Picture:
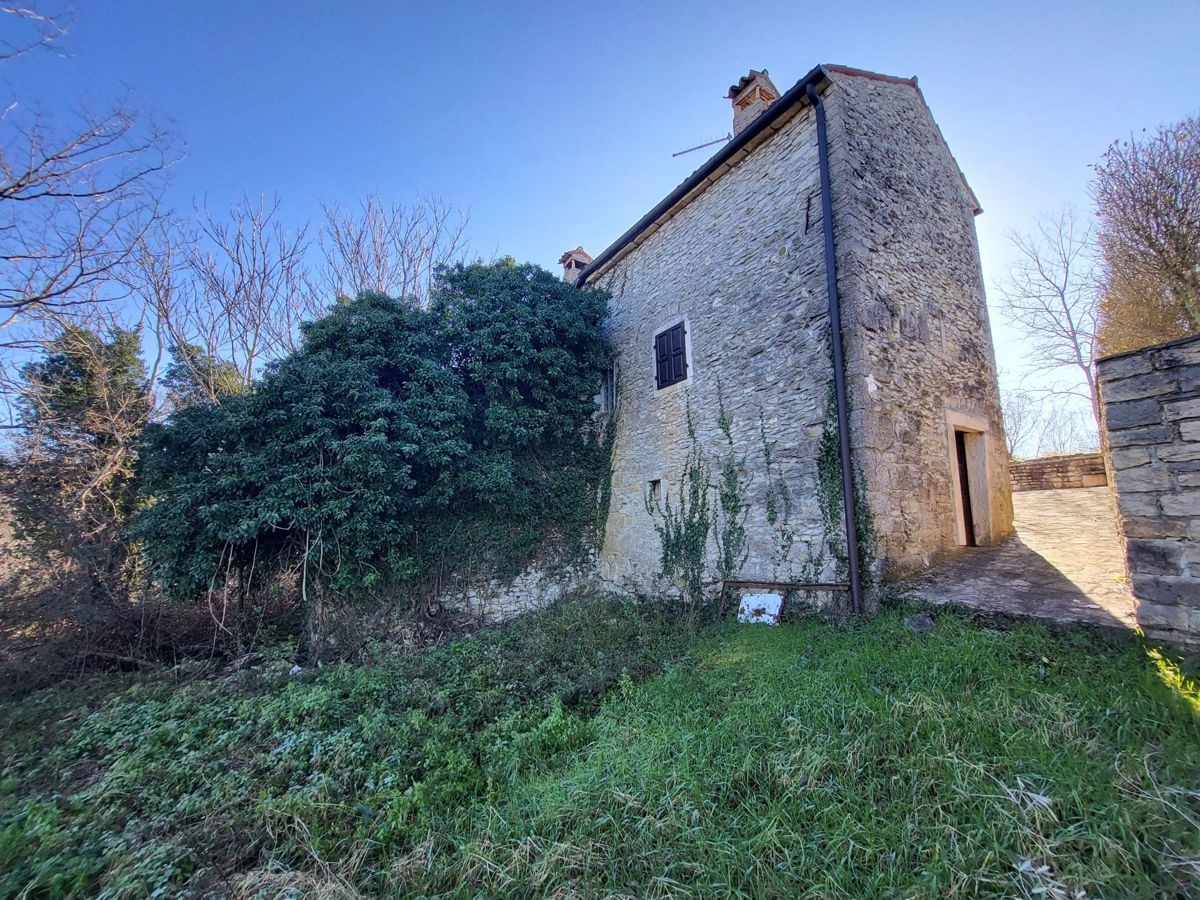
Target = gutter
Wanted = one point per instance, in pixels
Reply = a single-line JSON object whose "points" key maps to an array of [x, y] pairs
{"points": [[839, 361], [805, 89]]}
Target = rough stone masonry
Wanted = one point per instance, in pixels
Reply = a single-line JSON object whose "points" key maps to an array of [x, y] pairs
{"points": [[1151, 408], [1067, 470], [739, 263]]}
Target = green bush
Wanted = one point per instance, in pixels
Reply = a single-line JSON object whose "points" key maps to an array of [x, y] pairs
{"points": [[393, 443]]}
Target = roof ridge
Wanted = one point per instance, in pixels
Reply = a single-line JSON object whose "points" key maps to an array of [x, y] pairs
{"points": [[867, 73], [819, 76]]}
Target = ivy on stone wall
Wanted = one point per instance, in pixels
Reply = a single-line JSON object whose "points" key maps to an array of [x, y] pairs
{"points": [[733, 506], [713, 502], [830, 501], [778, 500], [683, 523]]}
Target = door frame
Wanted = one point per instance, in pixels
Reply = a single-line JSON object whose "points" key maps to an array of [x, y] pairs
{"points": [[977, 440]]}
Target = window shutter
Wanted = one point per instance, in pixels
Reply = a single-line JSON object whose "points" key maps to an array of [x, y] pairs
{"points": [[662, 360], [678, 354], [670, 356]]}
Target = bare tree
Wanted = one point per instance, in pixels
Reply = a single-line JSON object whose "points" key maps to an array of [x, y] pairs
{"points": [[245, 290], [1022, 420], [391, 250], [1065, 430], [153, 276], [160, 279], [1052, 294], [1147, 195], [33, 29], [76, 194], [73, 203]]}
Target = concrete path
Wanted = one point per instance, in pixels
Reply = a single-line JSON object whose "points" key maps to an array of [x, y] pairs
{"points": [[1063, 564]]}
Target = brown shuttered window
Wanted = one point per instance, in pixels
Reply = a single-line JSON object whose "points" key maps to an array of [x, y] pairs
{"points": [[670, 356]]}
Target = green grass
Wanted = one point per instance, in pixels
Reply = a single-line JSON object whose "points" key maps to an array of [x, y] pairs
{"points": [[862, 762], [812, 759]]}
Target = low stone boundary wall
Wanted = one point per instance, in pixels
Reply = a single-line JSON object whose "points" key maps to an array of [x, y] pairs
{"points": [[1151, 401], [494, 601], [1077, 470]]}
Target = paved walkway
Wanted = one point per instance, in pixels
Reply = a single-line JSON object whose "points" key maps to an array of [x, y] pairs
{"points": [[1063, 564]]}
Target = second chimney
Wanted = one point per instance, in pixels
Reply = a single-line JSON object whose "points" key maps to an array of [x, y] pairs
{"points": [[573, 263], [751, 96]]}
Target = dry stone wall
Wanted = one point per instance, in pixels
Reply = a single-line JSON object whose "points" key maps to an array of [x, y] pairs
{"points": [[1072, 470], [918, 341], [1151, 401], [491, 601]]}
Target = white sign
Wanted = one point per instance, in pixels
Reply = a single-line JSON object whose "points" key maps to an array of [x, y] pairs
{"points": [[758, 609]]}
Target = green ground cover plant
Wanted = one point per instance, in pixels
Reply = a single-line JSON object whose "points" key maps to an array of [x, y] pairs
{"points": [[135, 787], [599, 749]]}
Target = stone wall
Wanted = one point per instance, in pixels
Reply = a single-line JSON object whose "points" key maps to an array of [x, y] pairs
{"points": [[1071, 470], [495, 600], [918, 342], [1151, 403], [742, 266]]}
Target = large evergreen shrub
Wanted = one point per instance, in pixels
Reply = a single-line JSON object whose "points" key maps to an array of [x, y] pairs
{"points": [[396, 441]]}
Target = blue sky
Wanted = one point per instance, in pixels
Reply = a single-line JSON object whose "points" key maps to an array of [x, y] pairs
{"points": [[555, 123]]}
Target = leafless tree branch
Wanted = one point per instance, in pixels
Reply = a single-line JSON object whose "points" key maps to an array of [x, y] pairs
{"points": [[1052, 294], [38, 29], [393, 250], [73, 205], [246, 289]]}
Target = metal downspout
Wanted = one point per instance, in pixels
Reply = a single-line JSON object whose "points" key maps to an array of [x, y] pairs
{"points": [[839, 362]]}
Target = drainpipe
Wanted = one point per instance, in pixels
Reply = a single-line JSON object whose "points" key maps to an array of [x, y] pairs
{"points": [[839, 362]]}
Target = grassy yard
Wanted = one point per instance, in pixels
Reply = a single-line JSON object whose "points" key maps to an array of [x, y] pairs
{"points": [[837, 761]]}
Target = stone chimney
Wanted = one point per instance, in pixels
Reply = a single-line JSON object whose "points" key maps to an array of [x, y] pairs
{"points": [[574, 262], [751, 96]]}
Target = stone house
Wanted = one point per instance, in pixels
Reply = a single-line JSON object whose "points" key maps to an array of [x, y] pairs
{"points": [[723, 299]]}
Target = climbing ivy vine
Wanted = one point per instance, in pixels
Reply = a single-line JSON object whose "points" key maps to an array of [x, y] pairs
{"points": [[683, 524], [732, 507], [712, 502], [778, 500], [830, 501]]}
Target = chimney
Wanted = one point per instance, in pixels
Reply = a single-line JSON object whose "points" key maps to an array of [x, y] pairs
{"points": [[751, 96], [574, 262]]}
